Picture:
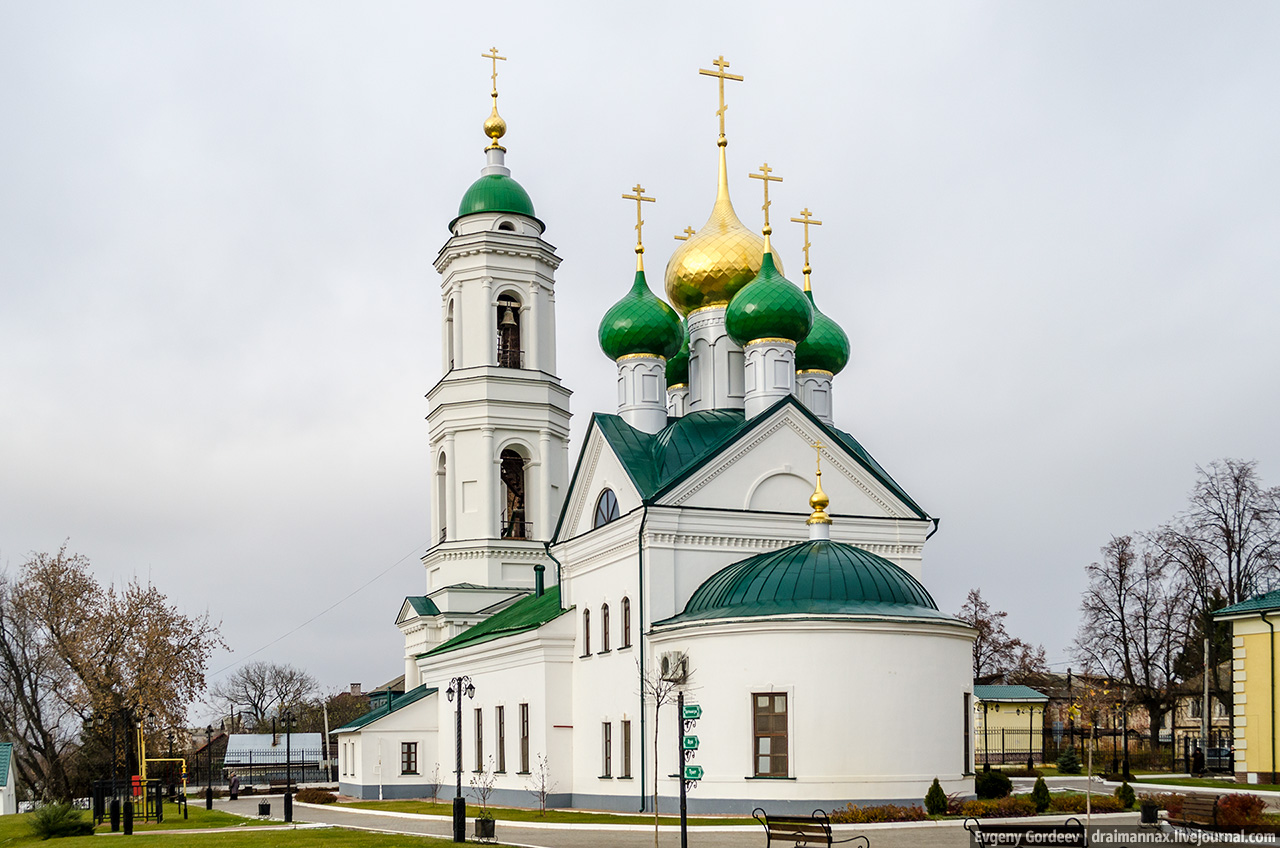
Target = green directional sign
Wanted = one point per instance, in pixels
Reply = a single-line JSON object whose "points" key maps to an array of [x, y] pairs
{"points": [[693, 772], [692, 712], [690, 743]]}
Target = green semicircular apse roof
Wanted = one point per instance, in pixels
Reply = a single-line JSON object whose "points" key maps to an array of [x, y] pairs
{"points": [[495, 193]]}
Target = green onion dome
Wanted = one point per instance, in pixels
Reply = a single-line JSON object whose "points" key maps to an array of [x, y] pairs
{"points": [[495, 193], [826, 348], [817, 577], [678, 365], [640, 323], [769, 307]]}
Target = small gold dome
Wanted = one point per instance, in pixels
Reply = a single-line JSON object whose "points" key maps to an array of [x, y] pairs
{"points": [[711, 266], [494, 127]]}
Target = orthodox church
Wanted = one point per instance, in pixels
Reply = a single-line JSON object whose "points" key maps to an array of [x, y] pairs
{"points": [[717, 534]]}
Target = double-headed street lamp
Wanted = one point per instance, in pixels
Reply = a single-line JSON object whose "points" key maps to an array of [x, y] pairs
{"points": [[288, 719], [208, 775], [460, 686]]}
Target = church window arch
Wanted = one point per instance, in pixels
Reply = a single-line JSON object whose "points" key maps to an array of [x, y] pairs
{"points": [[442, 493], [515, 506], [451, 351], [507, 227], [606, 509], [510, 352], [586, 632], [604, 628], [626, 622]]}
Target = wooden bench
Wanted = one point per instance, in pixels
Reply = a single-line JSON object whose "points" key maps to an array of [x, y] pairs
{"points": [[283, 784], [1199, 811], [800, 831]]}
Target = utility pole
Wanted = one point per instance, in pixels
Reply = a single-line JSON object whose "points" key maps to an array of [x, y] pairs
{"points": [[1204, 707]]}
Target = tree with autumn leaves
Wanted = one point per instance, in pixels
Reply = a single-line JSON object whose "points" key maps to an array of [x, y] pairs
{"points": [[72, 649]]}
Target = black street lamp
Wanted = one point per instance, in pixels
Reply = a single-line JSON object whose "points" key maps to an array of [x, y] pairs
{"points": [[288, 719], [208, 775], [460, 686], [986, 740]]}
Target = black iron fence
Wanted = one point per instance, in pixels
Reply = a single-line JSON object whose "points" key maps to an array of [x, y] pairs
{"points": [[1012, 747], [262, 768]]}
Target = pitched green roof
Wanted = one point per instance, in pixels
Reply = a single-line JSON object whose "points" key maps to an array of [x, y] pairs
{"points": [[817, 577], [398, 702], [6, 755], [528, 613], [423, 605], [1262, 603], [659, 461], [1008, 693]]}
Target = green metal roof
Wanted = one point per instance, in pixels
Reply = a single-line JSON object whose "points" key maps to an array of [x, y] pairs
{"points": [[826, 348], [1262, 603], [398, 702], [770, 306], [818, 577], [1008, 693], [640, 323], [495, 193], [423, 605], [528, 613], [659, 461], [6, 755]]}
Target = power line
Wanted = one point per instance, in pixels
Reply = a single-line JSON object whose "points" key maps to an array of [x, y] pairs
{"points": [[327, 609]]}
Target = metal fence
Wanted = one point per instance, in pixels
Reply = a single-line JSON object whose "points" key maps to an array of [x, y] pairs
{"points": [[262, 768]]}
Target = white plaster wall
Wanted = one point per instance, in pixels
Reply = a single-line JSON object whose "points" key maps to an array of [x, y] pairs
{"points": [[876, 709], [8, 795], [600, 469], [372, 754]]}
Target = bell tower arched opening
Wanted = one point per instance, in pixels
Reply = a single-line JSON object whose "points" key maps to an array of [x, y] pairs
{"points": [[510, 352], [515, 512]]}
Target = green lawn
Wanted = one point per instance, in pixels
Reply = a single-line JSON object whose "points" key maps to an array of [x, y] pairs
{"points": [[1196, 781], [433, 808], [197, 817], [15, 833]]}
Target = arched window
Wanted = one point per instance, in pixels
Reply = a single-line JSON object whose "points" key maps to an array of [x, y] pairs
{"points": [[507, 227], [514, 513], [510, 354], [442, 493], [450, 351], [604, 628], [606, 508], [626, 622], [586, 632]]}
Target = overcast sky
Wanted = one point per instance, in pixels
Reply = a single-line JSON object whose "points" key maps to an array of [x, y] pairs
{"points": [[1051, 231]]}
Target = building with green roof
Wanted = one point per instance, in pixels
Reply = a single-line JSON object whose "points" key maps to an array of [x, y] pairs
{"points": [[8, 779]]}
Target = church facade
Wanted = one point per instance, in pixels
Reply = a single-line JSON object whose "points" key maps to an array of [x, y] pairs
{"points": [[718, 535]]}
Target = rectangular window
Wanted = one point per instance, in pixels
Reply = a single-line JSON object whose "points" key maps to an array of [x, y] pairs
{"points": [[479, 739], [524, 738], [606, 751], [500, 718], [968, 742], [408, 757], [626, 749], [769, 734], [342, 758]]}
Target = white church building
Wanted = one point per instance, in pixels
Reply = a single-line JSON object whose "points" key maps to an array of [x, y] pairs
{"points": [[690, 545]]}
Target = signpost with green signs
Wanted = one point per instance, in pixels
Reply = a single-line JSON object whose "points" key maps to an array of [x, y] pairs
{"points": [[689, 774]]}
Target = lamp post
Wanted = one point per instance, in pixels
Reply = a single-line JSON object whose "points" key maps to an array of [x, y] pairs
{"points": [[459, 686], [208, 775], [288, 719], [986, 740]]}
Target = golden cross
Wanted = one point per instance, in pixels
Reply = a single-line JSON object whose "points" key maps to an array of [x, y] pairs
{"points": [[493, 54], [818, 446], [806, 219], [688, 231], [638, 197], [765, 171], [721, 64]]}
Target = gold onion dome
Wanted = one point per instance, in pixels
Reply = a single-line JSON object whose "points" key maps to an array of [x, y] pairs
{"points": [[716, 262]]}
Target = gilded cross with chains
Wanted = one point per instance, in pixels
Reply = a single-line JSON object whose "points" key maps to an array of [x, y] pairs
{"points": [[721, 63], [806, 219], [765, 171], [688, 231], [493, 55], [639, 198], [818, 446]]}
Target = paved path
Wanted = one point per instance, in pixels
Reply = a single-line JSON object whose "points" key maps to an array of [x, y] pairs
{"points": [[943, 835]]}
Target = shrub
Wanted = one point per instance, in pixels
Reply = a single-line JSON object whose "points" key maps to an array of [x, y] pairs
{"points": [[1022, 772], [1040, 795], [853, 814], [1075, 803], [53, 821], [935, 800], [1171, 802], [1124, 792], [1239, 809], [999, 808], [1069, 762], [992, 784], [315, 796]]}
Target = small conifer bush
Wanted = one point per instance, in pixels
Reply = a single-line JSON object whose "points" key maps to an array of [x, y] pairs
{"points": [[1069, 762], [1125, 793], [992, 784], [935, 800], [1040, 795], [53, 821]]}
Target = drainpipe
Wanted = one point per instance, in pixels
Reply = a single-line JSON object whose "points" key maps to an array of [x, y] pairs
{"points": [[936, 522], [547, 547], [1271, 674], [644, 517]]}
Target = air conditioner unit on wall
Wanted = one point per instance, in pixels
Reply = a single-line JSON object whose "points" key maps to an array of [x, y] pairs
{"points": [[674, 666]]}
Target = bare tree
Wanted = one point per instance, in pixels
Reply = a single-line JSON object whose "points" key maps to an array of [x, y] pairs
{"points": [[71, 648], [660, 686], [265, 688], [540, 783], [482, 783], [1134, 615], [994, 650]]}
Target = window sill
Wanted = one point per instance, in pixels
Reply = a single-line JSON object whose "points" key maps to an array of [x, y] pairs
{"points": [[524, 772], [768, 777], [624, 647], [585, 656], [605, 651], [625, 777], [409, 774], [605, 777], [500, 771]]}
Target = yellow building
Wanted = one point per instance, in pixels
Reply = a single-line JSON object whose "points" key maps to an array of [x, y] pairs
{"points": [[1253, 675], [1008, 725]]}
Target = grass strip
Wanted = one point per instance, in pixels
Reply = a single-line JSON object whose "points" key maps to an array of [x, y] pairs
{"points": [[512, 814]]}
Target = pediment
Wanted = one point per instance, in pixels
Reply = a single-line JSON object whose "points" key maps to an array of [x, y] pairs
{"points": [[599, 468]]}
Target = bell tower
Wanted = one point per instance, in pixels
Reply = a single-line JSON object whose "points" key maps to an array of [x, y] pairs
{"points": [[498, 419]]}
